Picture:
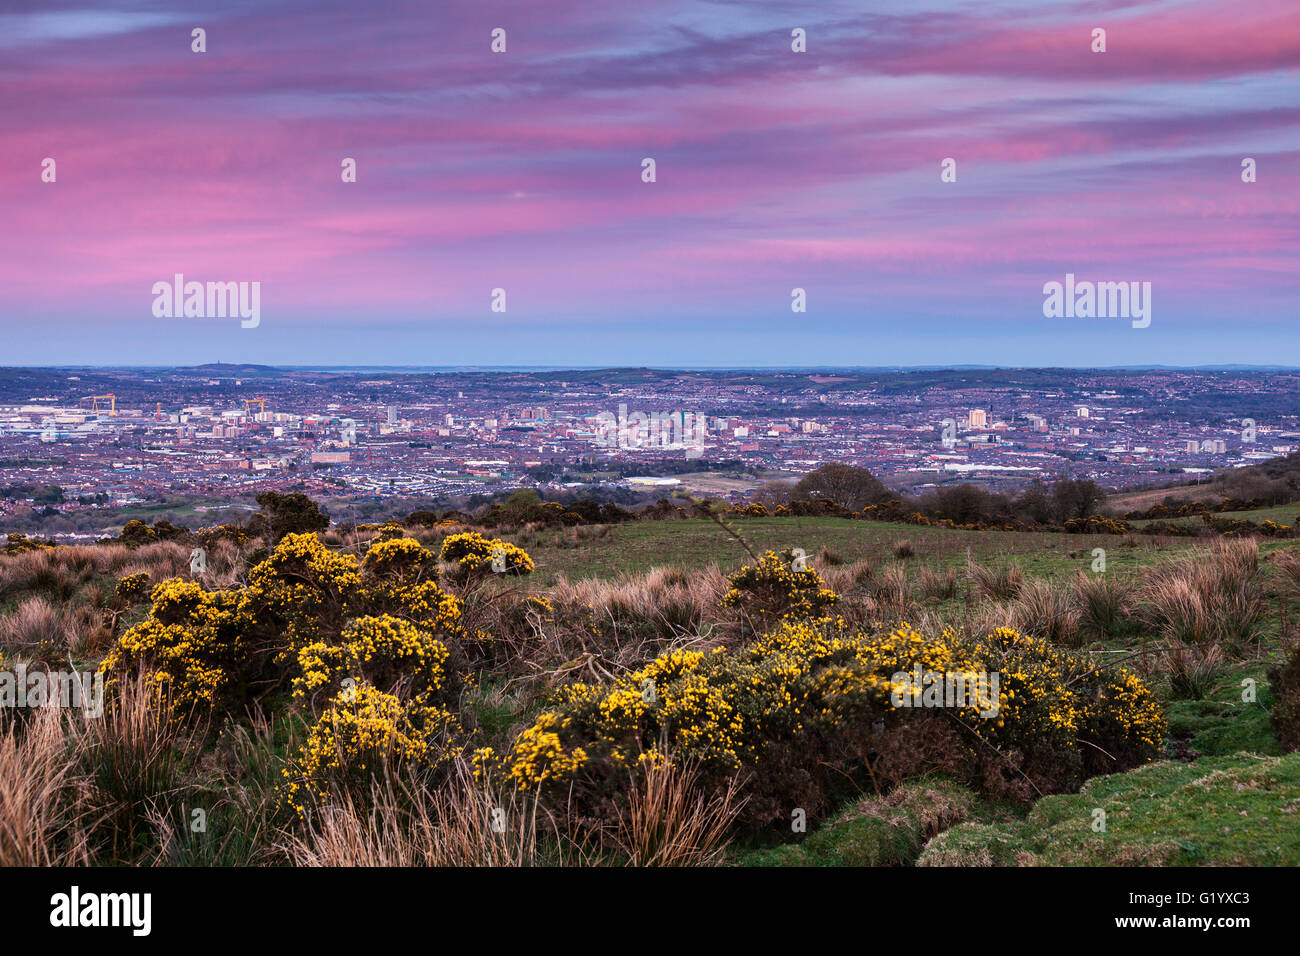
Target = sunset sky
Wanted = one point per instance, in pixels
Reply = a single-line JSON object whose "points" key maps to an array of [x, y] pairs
{"points": [[775, 170]]}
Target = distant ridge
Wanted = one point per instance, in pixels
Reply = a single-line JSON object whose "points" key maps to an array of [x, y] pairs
{"points": [[253, 369]]}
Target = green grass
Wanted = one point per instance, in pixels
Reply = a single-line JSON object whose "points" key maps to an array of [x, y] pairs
{"points": [[1239, 810], [636, 547], [1223, 723], [1287, 514], [877, 831]]}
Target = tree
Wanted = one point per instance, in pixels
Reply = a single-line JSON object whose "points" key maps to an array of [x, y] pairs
{"points": [[286, 514], [1035, 503], [964, 504], [848, 486], [1075, 498]]}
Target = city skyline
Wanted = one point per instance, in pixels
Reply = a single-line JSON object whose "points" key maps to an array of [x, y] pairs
{"points": [[776, 170]]}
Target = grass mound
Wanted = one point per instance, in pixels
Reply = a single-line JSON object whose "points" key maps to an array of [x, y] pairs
{"points": [[877, 831], [1240, 810]]}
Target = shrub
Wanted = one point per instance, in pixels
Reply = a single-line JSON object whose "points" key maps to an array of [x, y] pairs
{"points": [[772, 590], [361, 732], [477, 557], [308, 617], [190, 645], [19, 543], [808, 710], [132, 587], [136, 533]]}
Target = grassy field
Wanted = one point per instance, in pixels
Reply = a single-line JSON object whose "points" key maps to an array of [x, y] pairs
{"points": [[1287, 514], [1220, 792], [636, 547]]}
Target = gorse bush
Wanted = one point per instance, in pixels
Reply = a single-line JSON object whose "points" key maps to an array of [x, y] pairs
{"points": [[476, 556], [809, 707], [374, 647], [779, 586], [308, 617], [364, 730]]}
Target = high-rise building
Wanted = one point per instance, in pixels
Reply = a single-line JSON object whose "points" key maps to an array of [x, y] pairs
{"points": [[392, 415], [978, 418]]}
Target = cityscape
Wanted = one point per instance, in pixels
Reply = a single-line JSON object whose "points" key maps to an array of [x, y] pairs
{"points": [[110, 439]]}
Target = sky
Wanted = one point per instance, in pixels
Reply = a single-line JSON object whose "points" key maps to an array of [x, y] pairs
{"points": [[522, 170]]}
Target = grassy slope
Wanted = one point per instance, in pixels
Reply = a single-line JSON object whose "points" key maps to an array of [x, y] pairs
{"points": [[1287, 514], [638, 546], [1240, 810], [1182, 817]]}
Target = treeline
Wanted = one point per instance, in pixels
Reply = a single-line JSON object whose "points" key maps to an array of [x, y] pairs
{"points": [[836, 490]]}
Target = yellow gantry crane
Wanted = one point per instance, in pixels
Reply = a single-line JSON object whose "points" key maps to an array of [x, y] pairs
{"points": [[96, 399], [260, 402]]}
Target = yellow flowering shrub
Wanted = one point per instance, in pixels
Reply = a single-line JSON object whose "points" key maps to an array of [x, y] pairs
{"points": [[814, 705], [398, 559], [476, 556], [772, 590], [302, 591], [132, 587], [19, 543], [190, 645], [383, 651], [362, 730], [308, 618]]}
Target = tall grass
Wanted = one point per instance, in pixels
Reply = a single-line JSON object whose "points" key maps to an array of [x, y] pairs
{"points": [[1208, 595], [409, 823], [999, 582], [938, 585], [669, 821], [1047, 611], [43, 808], [1105, 604]]}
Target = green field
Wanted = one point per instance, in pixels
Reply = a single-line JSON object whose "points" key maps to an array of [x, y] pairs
{"points": [[636, 547], [1288, 514]]}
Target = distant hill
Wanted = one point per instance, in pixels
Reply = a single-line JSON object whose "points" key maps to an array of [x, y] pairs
{"points": [[1276, 481]]}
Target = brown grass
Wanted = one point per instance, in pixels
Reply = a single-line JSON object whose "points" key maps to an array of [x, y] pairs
{"points": [[1044, 610], [998, 583], [43, 808], [1105, 603], [1207, 595], [408, 823], [938, 585], [670, 821]]}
